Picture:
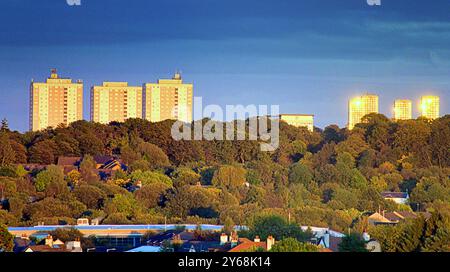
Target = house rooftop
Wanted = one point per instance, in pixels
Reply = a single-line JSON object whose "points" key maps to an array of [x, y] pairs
{"points": [[246, 244], [69, 161], [394, 195], [46, 248], [398, 216]]}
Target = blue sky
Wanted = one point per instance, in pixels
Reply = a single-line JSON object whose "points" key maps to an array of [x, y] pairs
{"points": [[308, 56]]}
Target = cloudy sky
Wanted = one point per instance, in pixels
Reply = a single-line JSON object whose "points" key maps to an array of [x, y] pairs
{"points": [[308, 56]]}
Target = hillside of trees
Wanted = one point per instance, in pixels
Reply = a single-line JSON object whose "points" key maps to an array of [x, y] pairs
{"points": [[331, 177]]}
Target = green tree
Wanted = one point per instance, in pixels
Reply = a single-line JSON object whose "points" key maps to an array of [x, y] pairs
{"points": [[332, 133], [437, 233], [190, 201], [185, 176], [301, 174], [4, 125], [276, 226], [230, 177], [152, 195], [43, 152], [154, 155], [293, 245], [129, 156], [352, 243], [6, 239], [87, 169], [92, 196], [411, 138], [355, 144], [440, 141], [73, 177], [149, 177], [53, 174], [7, 154], [430, 189], [20, 171], [228, 226], [121, 203], [357, 179]]}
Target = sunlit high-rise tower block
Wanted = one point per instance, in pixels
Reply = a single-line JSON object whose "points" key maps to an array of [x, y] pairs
{"points": [[358, 107], [168, 99], [54, 102], [115, 101], [402, 109], [429, 106]]}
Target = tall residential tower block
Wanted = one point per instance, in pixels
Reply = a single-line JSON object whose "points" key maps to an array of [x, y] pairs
{"points": [[402, 109], [429, 107], [358, 107], [54, 102], [115, 101], [168, 99]]}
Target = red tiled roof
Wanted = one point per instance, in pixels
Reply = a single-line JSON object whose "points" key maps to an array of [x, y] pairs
{"points": [[69, 161], [248, 245], [244, 240], [45, 248], [397, 216]]}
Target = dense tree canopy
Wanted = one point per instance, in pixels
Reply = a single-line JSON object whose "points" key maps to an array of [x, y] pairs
{"points": [[293, 245], [6, 239], [328, 178]]}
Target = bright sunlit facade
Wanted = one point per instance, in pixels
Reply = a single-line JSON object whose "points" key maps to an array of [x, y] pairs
{"points": [[402, 109], [169, 99], [299, 120], [429, 106], [360, 106], [115, 101], [54, 102]]}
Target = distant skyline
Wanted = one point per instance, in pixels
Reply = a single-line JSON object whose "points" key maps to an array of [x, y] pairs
{"points": [[307, 56]]}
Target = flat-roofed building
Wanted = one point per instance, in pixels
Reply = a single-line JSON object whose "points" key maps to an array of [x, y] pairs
{"points": [[402, 109], [299, 120], [54, 102], [360, 106], [115, 101], [429, 106], [168, 99]]}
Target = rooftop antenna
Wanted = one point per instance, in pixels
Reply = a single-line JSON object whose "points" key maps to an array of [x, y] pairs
{"points": [[54, 73], [177, 74]]}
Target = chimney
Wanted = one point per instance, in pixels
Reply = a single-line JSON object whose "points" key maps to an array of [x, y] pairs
{"points": [[257, 239], [177, 75], [234, 238], [223, 239], [270, 242], [49, 241], [326, 239], [366, 236], [53, 73]]}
